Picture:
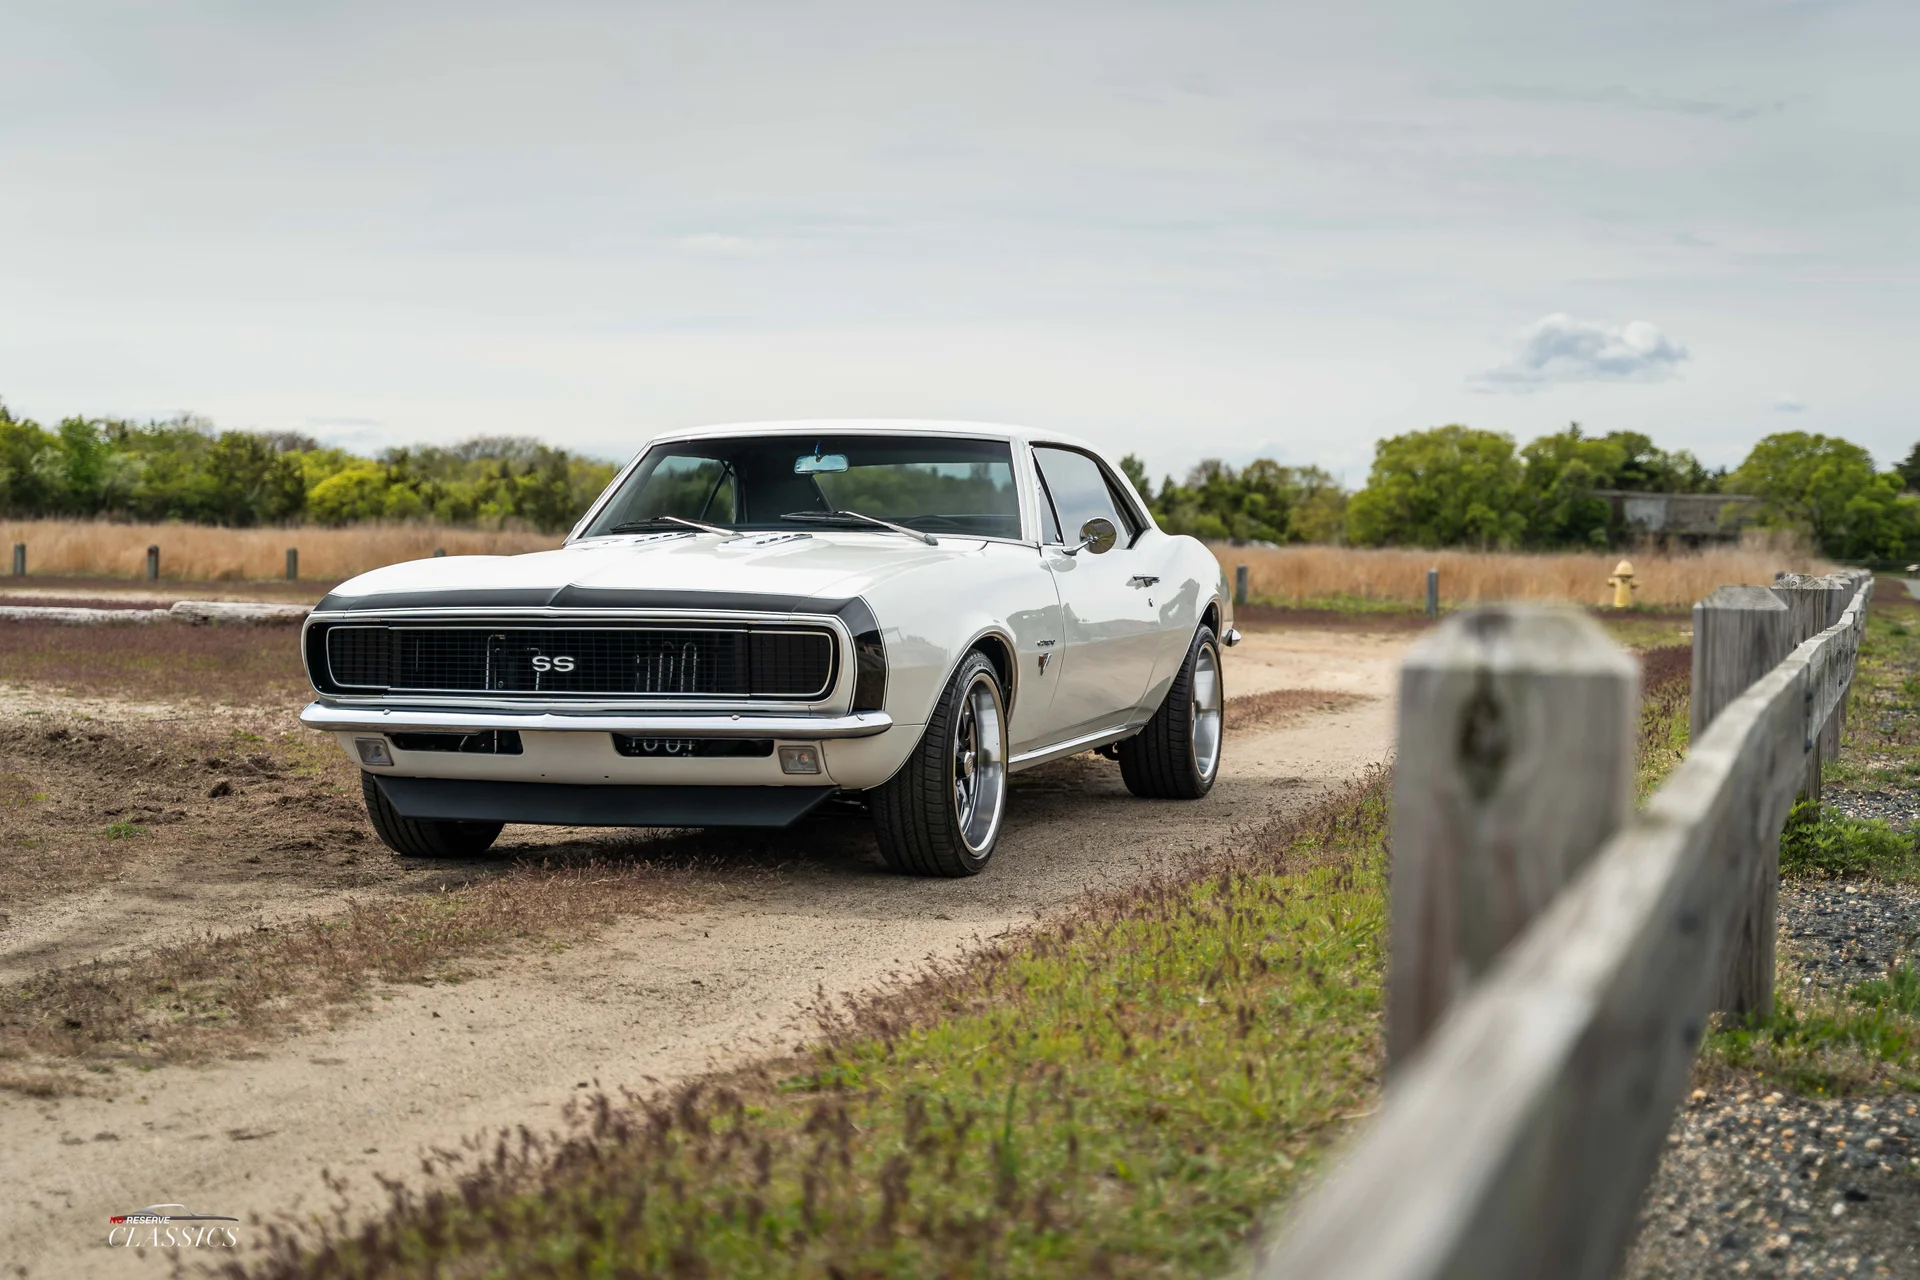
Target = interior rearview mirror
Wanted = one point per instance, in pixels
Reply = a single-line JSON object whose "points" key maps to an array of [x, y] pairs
{"points": [[1098, 536], [816, 464]]}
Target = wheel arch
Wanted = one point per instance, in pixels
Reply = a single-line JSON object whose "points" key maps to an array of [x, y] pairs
{"points": [[997, 646]]}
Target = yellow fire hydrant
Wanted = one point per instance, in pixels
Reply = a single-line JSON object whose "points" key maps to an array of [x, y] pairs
{"points": [[1623, 585]]}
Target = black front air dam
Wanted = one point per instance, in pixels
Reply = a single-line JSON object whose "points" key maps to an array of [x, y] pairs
{"points": [[571, 805]]}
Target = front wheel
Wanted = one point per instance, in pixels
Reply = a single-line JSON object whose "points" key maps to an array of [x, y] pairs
{"points": [[940, 815], [419, 838], [1177, 756]]}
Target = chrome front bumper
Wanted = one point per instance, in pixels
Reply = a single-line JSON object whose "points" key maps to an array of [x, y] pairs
{"points": [[336, 719]]}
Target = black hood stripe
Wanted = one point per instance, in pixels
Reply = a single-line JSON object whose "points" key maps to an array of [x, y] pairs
{"points": [[854, 611]]}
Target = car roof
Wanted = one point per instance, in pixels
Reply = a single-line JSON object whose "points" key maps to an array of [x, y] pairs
{"points": [[880, 426]]}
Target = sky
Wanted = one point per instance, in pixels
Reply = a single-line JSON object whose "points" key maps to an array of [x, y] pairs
{"points": [[1181, 230]]}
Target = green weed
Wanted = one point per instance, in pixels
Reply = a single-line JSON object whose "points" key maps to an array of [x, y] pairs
{"points": [[122, 830], [1898, 991]]}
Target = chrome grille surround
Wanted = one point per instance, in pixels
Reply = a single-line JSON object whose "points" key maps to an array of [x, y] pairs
{"points": [[451, 657]]}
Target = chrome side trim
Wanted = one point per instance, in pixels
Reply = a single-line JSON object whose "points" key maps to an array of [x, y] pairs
{"points": [[336, 719], [1071, 747]]}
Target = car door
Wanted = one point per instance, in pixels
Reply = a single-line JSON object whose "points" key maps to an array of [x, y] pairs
{"points": [[1112, 627]]}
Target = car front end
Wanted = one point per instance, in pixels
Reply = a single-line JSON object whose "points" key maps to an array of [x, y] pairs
{"points": [[596, 706]]}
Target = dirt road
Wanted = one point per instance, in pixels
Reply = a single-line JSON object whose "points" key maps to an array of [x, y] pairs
{"points": [[715, 978]]}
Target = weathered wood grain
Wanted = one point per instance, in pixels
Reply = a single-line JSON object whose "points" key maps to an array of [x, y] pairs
{"points": [[1515, 763]]}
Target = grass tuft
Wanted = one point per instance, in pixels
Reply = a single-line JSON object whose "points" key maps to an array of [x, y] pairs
{"points": [[1666, 677], [1824, 1047], [1898, 991]]}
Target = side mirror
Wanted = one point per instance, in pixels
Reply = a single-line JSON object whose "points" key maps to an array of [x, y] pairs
{"points": [[1097, 535]]}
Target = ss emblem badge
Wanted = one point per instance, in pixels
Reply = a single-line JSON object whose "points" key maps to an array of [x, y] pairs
{"points": [[543, 663]]}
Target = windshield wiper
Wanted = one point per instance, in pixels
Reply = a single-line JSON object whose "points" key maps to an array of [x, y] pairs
{"points": [[876, 521], [654, 522]]}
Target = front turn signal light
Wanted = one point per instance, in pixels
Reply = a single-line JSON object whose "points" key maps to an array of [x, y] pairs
{"points": [[804, 759]]}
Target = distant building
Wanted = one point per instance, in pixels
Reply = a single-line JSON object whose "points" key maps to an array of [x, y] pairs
{"points": [[1689, 519]]}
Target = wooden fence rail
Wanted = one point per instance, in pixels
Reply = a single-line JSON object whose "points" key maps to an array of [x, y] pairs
{"points": [[1555, 957]]}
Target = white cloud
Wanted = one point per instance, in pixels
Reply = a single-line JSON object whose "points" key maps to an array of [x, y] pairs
{"points": [[712, 244], [1789, 404], [1559, 348]]}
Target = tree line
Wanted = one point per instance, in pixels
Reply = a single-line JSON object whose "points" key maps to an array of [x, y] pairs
{"points": [[1443, 487], [1457, 486], [185, 469]]}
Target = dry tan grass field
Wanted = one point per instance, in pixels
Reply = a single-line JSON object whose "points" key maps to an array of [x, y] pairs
{"points": [[1277, 575], [203, 553], [1300, 575]]}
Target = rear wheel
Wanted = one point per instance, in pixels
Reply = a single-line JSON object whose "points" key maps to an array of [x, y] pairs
{"points": [[940, 815], [1177, 756], [416, 838]]}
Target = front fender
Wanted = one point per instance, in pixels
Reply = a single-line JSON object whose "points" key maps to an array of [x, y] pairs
{"points": [[1003, 596]]}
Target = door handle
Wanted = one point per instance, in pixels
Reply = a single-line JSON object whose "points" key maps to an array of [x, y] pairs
{"points": [[1142, 580]]}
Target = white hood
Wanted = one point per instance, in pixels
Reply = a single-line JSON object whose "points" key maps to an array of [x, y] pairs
{"points": [[832, 564]]}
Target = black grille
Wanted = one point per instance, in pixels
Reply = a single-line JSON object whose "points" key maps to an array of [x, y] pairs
{"points": [[361, 656], [491, 742], [590, 661]]}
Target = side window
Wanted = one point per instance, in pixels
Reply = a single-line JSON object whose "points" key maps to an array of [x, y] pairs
{"points": [[1080, 492]]}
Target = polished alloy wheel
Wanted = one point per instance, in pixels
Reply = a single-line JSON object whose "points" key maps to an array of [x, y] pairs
{"points": [[979, 764], [1204, 711]]}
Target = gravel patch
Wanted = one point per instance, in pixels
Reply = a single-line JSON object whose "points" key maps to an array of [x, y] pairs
{"points": [[1774, 1185], [1768, 1184], [1842, 932], [1761, 1183], [1898, 809]]}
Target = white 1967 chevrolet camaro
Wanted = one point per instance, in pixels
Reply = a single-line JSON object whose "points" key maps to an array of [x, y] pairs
{"points": [[752, 619]]}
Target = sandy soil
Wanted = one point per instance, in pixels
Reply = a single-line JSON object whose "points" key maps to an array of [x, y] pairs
{"points": [[717, 977]]}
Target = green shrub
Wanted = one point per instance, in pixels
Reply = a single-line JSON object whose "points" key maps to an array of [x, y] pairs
{"points": [[1817, 842]]}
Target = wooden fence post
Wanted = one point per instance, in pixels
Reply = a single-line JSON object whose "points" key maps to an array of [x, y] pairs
{"points": [[1516, 739], [1739, 635], [1433, 593], [1239, 584], [1813, 605], [293, 564], [19, 559], [153, 564], [1841, 595]]}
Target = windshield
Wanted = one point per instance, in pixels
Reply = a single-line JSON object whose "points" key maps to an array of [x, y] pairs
{"points": [[754, 482]]}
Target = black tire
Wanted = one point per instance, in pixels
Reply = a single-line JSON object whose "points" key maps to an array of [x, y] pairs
{"points": [[1167, 760], [414, 838], [918, 813]]}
